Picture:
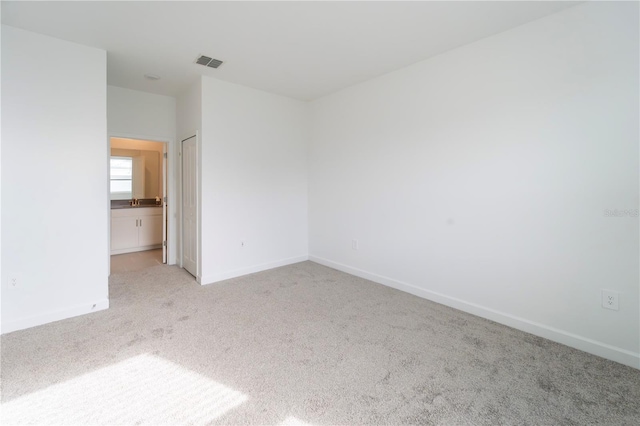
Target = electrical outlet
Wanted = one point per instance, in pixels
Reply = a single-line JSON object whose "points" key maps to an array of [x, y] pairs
{"points": [[13, 282], [610, 299], [354, 244]]}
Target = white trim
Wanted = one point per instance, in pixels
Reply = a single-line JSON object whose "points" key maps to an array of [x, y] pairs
{"points": [[591, 346], [251, 270], [74, 311]]}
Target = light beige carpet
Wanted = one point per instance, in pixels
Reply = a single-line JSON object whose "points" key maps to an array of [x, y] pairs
{"points": [[302, 344]]}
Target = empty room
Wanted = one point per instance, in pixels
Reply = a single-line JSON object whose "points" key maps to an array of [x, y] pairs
{"points": [[320, 213]]}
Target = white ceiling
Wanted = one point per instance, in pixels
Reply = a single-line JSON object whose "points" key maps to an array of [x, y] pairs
{"points": [[303, 50]]}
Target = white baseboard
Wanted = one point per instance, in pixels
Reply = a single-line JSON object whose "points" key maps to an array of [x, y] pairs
{"points": [[74, 311], [251, 270], [594, 347]]}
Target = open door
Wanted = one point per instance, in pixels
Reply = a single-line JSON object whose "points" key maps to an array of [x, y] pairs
{"points": [[190, 205], [165, 216]]}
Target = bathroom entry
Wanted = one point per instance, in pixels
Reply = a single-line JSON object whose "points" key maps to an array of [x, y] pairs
{"points": [[138, 194]]}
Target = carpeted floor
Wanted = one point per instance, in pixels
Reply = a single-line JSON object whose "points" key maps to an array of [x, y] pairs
{"points": [[302, 344]]}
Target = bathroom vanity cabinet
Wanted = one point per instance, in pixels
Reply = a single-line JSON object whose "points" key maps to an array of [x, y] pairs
{"points": [[136, 229]]}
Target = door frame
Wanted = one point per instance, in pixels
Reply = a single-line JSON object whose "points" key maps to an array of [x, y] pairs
{"points": [[179, 259], [169, 188]]}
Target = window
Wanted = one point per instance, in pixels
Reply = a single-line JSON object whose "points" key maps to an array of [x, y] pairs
{"points": [[121, 176]]}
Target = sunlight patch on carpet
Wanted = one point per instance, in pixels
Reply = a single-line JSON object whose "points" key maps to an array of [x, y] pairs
{"points": [[144, 389], [293, 421]]}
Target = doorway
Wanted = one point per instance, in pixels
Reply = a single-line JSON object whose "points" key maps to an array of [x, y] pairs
{"points": [[138, 203]]}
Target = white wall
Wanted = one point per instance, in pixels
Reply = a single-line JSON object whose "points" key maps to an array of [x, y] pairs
{"points": [[189, 110], [53, 142], [479, 178], [140, 115], [254, 180]]}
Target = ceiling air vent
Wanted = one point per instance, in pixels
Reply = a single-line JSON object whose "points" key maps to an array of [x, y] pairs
{"points": [[208, 62]]}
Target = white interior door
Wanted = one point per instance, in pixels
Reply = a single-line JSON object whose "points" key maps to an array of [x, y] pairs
{"points": [[190, 206], [164, 204]]}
